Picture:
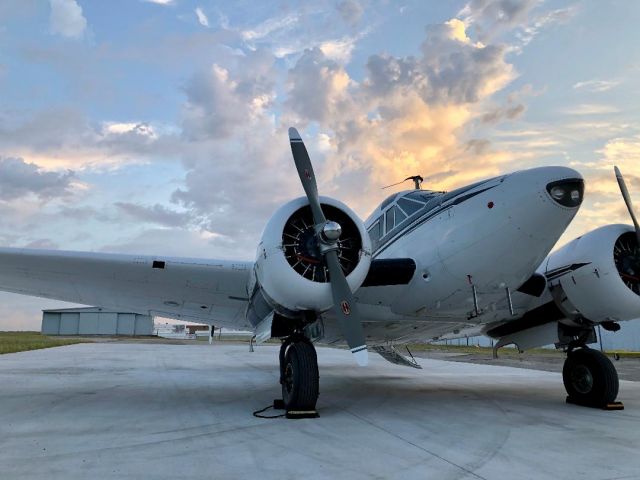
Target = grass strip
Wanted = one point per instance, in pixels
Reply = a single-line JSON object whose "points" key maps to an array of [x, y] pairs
{"points": [[11, 342]]}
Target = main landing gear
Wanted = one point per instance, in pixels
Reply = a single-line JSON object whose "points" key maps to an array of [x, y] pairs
{"points": [[590, 379], [299, 377]]}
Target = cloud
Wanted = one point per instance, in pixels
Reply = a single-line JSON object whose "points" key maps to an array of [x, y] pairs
{"points": [[544, 20], [339, 50], [399, 115], [493, 18], [164, 3], [65, 138], [219, 101], [158, 214], [623, 152], [596, 86], [42, 243], [270, 26], [477, 146], [175, 242], [317, 87], [407, 115], [67, 19], [351, 11], [19, 178], [202, 18], [508, 112], [589, 109], [451, 70]]}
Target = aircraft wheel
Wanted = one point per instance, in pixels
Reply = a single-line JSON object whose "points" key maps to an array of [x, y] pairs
{"points": [[300, 378], [590, 378]]}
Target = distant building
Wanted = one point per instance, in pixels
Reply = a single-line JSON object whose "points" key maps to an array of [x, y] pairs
{"points": [[194, 329], [95, 321]]}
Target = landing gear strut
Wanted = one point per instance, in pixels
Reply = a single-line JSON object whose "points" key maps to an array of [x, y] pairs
{"points": [[299, 377], [590, 379]]}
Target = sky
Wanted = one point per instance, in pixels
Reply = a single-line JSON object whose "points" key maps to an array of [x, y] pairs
{"points": [[160, 126]]}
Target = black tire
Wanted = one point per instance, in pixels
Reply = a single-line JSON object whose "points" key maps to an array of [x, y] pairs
{"points": [[300, 378], [590, 378]]}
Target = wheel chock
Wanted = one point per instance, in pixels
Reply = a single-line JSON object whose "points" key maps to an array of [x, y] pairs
{"points": [[278, 404], [297, 414], [606, 406]]}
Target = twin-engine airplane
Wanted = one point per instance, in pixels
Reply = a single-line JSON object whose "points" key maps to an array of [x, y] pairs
{"points": [[424, 266]]}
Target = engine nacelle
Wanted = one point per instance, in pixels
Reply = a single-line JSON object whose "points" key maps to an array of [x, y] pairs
{"points": [[597, 276], [290, 271]]}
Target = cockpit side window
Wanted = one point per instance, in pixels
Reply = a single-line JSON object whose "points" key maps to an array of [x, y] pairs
{"points": [[388, 220], [375, 231], [392, 218]]}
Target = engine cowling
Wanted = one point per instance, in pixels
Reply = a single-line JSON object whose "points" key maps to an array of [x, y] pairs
{"points": [[290, 271], [597, 276]]}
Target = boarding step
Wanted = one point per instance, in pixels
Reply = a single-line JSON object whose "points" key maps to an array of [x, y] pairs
{"points": [[389, 353]]}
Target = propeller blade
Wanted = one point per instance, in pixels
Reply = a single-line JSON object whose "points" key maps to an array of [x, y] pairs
{"points": [[343, 301], [307, 177], [347, 310], [627, 200]]}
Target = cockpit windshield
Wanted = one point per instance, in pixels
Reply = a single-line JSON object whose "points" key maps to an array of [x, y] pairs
{"points": [[388, 200], [423, 195]]}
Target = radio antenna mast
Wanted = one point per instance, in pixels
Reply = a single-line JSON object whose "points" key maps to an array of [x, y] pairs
{"points": [[417, 181]]}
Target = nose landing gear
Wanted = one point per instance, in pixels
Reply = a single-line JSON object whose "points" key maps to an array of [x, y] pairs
{"points": [[299, 377], [591, 379]]}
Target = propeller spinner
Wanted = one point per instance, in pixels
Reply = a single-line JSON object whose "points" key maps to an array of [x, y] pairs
{"points": [[328, 234]]}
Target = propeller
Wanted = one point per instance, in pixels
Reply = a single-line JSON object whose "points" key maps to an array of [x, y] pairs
{"points": [[327, 234], [627, 200]]}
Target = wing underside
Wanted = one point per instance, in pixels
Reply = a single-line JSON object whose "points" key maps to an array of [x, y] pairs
{"points": [[210, 291]]}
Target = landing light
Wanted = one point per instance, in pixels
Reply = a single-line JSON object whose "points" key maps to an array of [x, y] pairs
{"points": [[558, 193], [567, 193]]}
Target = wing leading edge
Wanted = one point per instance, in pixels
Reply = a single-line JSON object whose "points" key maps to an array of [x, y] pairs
{"points": [[211, 291]]}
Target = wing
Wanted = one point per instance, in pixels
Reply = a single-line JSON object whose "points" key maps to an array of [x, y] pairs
{"points": [[211, 291]]}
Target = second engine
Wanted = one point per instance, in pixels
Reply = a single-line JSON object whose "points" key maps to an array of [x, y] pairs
{"points": [[596, 277]]}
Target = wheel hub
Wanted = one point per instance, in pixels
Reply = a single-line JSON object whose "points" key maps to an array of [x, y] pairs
{"points": [[288, 378], [581, 379]]}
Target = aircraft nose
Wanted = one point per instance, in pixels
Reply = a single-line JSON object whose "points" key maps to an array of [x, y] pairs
{"points": [[562, 185], [519, 223], [542, 201]]}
